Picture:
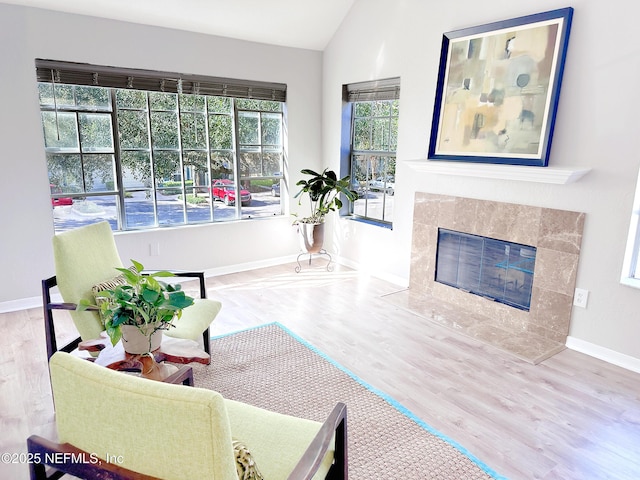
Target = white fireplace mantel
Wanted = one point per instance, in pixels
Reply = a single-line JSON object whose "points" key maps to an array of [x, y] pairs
{"points": [[554, 175]]}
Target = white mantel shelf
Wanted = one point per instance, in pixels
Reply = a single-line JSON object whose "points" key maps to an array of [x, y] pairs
{"points": [[559, 176]]}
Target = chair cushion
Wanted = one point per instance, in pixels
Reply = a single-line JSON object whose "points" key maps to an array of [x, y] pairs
{"points": [[84, 257], [277, 442], [195, 319]]}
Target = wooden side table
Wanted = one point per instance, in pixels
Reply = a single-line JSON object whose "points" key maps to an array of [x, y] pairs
{"points": [[151, 366]]}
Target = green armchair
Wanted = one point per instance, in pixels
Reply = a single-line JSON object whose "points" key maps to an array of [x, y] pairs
{"points": [[114, 425], [87, 256]]}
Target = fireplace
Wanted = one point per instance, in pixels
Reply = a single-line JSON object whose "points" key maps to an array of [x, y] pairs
{"points": [[554, 237]]}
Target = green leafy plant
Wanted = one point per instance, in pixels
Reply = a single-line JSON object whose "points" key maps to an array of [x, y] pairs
{"points": [[324, 191], [140, 301]]}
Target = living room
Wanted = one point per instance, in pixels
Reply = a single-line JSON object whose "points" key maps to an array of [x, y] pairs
{"points": [[376, 40]]}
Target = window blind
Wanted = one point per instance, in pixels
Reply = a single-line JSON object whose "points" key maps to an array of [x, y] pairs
{"points": [[51, 71], [386, 89]]}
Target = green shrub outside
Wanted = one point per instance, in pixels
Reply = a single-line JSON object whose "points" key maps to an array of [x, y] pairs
{"points": [[173, 187], [193, 200]]}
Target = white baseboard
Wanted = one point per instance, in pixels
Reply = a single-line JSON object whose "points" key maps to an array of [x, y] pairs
{"points": [[20, 304], [602, 353]]}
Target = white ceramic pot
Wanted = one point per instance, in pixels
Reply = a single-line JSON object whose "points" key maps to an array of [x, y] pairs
{"points": [[311, 236], [139, 340]]}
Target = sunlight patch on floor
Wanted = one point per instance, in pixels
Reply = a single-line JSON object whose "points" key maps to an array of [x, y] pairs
{"points": [[309, 278]]}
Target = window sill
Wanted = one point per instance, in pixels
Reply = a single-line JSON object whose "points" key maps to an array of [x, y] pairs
{"points": [[369, 221], [553, 175], [630, 282]]}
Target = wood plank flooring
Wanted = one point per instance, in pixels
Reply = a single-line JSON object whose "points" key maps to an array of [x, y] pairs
{"points": [[571, 417]]}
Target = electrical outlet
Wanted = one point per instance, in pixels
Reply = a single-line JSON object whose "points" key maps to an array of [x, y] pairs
{"points": [[580, 297]]}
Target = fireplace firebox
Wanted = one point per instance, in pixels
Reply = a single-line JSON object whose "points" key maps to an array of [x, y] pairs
{"points": [[495, 269]]}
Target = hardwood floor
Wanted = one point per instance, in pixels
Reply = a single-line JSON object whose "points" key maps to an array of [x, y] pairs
{"points": [[571, 417]]}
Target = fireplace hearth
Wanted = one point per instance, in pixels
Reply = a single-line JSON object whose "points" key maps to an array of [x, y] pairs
{"points": [[552, 236]]}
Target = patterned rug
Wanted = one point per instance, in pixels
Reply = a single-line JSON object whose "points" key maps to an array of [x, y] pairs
{"points": [[272, 368]]}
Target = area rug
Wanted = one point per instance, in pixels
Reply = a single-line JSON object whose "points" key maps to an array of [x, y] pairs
{"points": [[271, 367]]}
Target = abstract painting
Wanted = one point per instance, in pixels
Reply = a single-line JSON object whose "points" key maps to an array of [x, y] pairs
{"points": [[498, 89]]}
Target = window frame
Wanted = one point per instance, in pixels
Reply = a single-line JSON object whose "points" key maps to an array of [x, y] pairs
{"points": [[631, 264], [386, 90], [111, 79]]}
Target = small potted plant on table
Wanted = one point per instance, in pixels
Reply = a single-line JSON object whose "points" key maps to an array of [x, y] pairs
{"points": [[139, 307]]}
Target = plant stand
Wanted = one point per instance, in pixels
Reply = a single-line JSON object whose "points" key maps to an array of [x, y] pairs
{"points": [[311, 255]]}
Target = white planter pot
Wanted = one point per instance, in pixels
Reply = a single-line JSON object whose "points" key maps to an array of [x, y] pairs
{"points": [[311, 236], [139, 340]]}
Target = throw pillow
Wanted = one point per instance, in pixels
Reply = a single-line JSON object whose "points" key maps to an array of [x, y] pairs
{"points": [[109, 285], [245, 465]]}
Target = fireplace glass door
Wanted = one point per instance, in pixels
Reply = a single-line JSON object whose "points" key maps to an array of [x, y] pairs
{"points": [[495, 269]]}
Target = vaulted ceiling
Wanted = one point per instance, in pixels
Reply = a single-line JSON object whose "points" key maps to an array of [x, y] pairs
{"points": [[293, 23]]}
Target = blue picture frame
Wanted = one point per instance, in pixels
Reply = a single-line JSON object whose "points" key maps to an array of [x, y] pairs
{"points": [[498, 89]]}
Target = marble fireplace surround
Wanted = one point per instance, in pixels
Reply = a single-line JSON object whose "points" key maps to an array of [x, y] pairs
{"points": [[557, 234]]}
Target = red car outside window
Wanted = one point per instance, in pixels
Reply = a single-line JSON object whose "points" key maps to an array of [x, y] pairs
{"points": [[224, 189]]}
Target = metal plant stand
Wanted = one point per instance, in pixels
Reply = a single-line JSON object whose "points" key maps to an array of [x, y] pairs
{"points": [[321, 252]]}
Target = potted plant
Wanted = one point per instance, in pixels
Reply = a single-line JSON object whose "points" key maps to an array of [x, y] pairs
{"points": [[323, 190], [139, 307]]}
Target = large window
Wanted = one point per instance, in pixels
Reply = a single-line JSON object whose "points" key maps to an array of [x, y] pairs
{"points": [[374, 110], [631, 267], [146, 149]]}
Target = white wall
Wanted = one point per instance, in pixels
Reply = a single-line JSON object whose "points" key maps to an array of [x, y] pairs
{"points": [[25, 215], [597, 128]]}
